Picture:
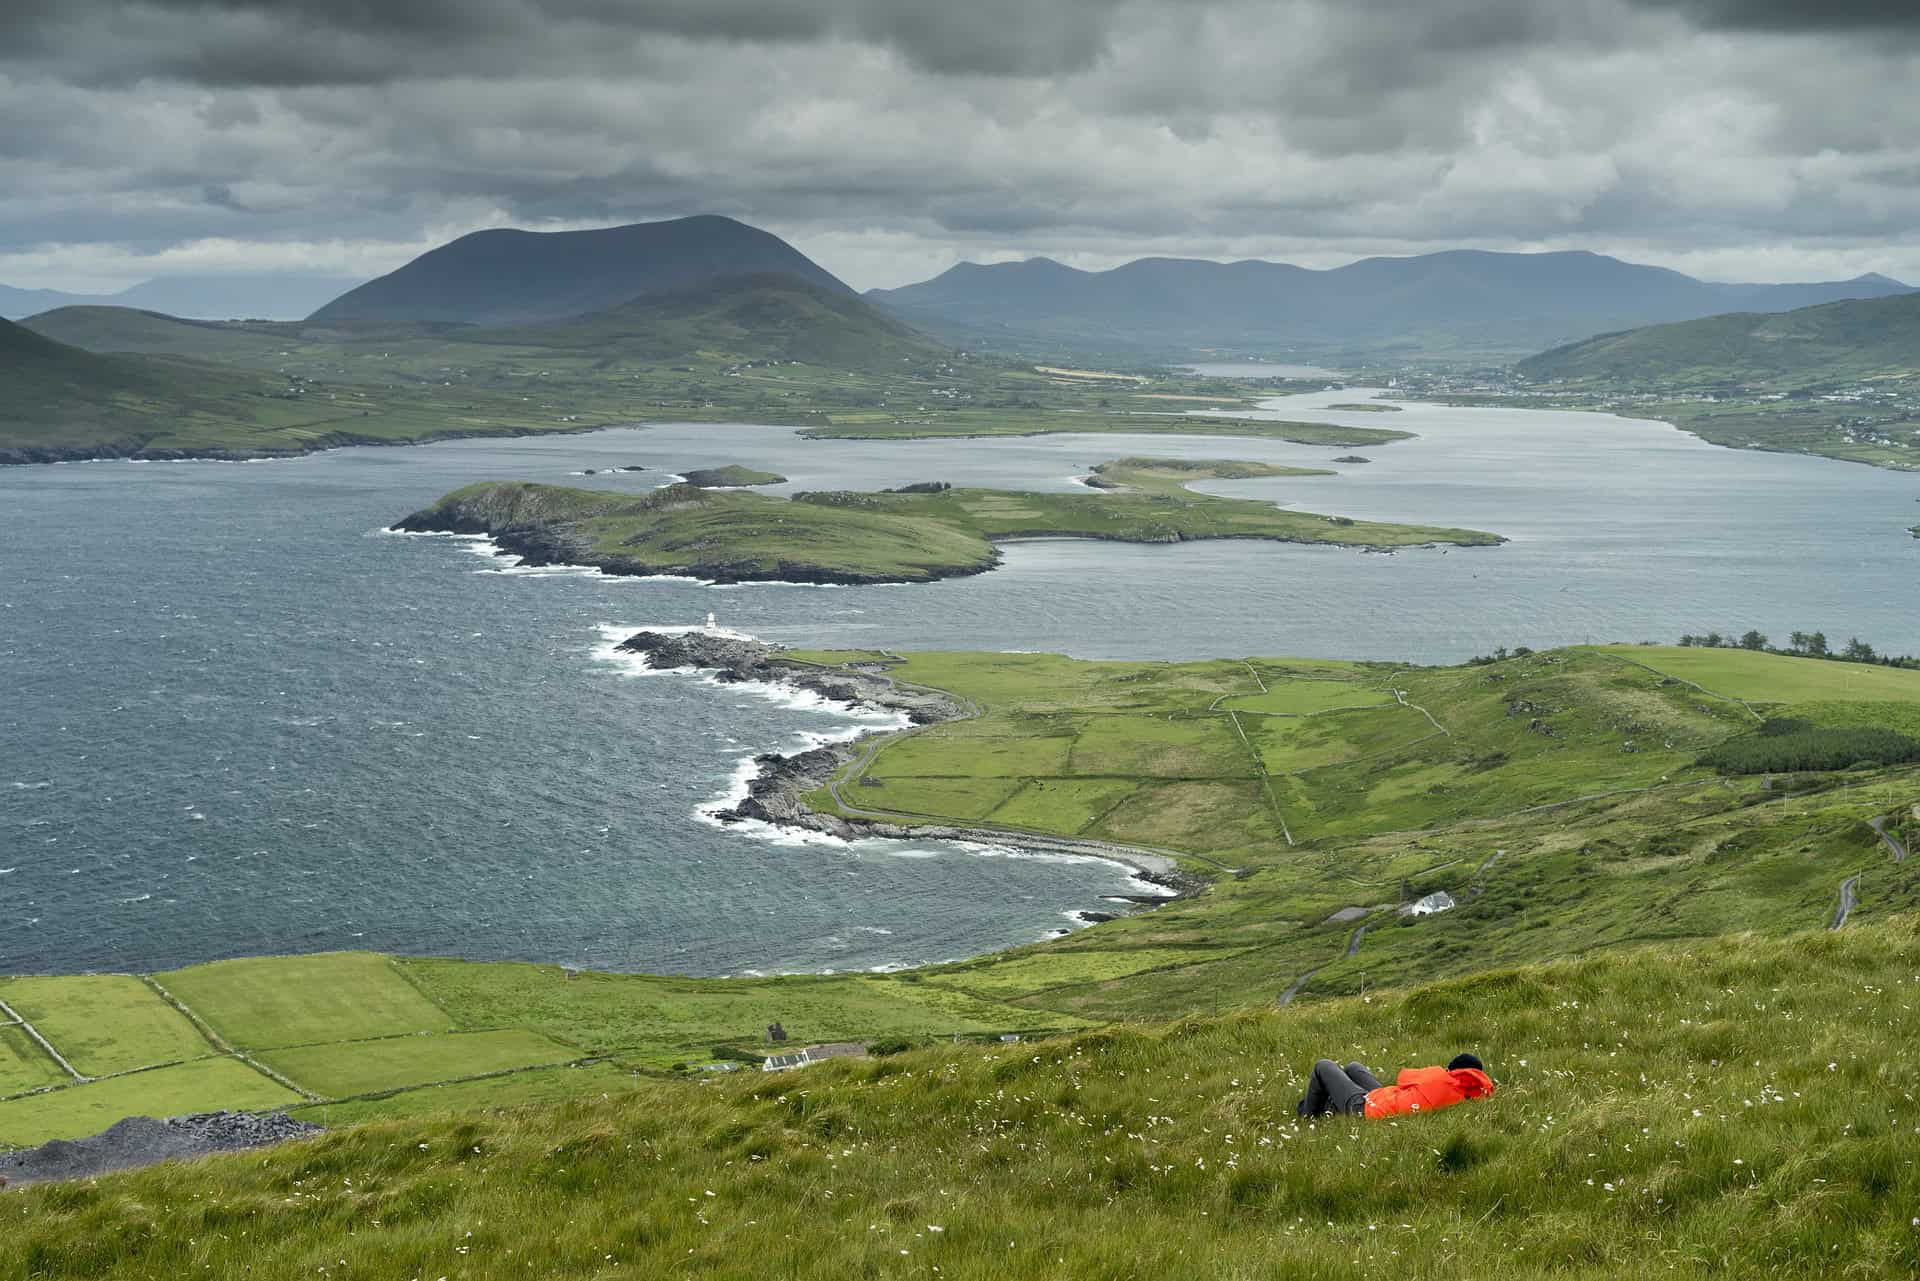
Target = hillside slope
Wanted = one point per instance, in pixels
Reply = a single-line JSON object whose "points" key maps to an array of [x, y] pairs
{"points": [[1828, 344], [128, 329], [1461, 301], [510, 277], [1735, 1108], [765, 316]]}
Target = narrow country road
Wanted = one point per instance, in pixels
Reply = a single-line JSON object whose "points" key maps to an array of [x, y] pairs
{"points": [[1847, 901], [1879, 826], [1353, 946]]}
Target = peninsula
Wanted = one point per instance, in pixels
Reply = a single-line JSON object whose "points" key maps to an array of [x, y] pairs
{"points": [[919, 535]]}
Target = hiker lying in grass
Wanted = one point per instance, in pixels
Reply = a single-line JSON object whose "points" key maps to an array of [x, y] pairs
{"points": [[1354, 1091]]}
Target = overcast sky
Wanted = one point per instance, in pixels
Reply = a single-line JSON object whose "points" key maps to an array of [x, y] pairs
{"points": [[1735, 139]]}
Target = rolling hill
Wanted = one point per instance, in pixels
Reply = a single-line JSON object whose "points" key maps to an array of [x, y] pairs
{"points": [[1458, 302], [767, 316], [126, 329], [510, 277], [1835, 342]]}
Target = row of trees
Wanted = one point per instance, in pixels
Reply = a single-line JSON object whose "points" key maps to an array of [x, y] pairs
{"points": [[1788, 746], [1802, 645]]}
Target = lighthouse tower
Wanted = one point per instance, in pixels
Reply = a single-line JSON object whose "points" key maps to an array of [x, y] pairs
{"points": [[713, 623]]}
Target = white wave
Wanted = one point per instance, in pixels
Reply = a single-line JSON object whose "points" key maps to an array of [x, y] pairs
{"points": [[8, 871], [30, 787], [140, 898], [390, 532]]}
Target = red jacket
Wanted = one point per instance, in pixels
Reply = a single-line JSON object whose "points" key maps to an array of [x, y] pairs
{"points": [[1427, 1088]]}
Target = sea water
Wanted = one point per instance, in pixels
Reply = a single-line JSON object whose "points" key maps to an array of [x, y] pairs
{"points": [[237, 717]]}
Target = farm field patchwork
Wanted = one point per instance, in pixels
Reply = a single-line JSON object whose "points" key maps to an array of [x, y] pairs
{"points": [[105, 1023]]}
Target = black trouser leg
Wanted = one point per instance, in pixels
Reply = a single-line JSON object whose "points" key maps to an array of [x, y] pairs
{"points": [[1361, 1076], [1330, 1089]]}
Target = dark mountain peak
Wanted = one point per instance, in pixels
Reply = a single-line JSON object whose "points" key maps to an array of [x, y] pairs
{"points": [[507, 276]]}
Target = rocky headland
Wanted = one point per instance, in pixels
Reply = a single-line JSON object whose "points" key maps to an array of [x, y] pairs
{"points": [[777, 793]]}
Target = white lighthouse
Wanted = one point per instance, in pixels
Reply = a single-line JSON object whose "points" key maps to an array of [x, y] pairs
{"points": [[713, 624]]}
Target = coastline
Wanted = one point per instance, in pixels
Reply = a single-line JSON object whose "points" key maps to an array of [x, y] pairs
{"points": [[776, 791], [136, 450]]}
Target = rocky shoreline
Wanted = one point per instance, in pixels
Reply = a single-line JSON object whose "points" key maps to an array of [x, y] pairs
{"points": [[777, 792]]}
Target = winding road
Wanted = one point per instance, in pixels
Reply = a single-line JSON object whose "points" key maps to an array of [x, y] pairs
{"points": [[1848, 898], [1847, 901]]}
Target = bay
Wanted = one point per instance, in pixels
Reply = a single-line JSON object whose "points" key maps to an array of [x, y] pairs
{"points": [[237, 718]]}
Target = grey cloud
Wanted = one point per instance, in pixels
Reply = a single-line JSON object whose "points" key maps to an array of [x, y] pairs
{"points": [[323, 42], [937, 127]]}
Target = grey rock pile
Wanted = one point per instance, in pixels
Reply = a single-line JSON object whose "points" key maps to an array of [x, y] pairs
{"points": [[142, 1140]]}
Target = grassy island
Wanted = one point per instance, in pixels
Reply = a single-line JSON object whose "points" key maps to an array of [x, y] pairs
{"points": [[916, 535], [732, 476]]}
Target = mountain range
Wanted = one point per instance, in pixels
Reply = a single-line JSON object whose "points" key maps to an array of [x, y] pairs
{"points": [[256, 296], [1455, 303]]}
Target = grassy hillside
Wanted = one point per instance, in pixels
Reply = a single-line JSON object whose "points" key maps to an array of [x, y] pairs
{"points": [[852, 537], [738, 318], [1559, 798], [1738, 1108], [1839, 342], [125, 329]]}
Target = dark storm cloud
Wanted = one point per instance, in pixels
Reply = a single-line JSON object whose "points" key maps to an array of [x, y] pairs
{"points": [[1798, 15], [890, 136], [321, 42]]}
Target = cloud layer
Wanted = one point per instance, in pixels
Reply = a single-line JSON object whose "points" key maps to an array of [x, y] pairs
{"points": [[1756, 140]]}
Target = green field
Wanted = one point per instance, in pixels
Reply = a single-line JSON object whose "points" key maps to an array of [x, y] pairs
{"points": [[305, 1000], [205, 1086], [849, 537], [1776, 678], [105, 1023], [1740, 1107], [342, 1070], [518, 1089], [24, 1065]]}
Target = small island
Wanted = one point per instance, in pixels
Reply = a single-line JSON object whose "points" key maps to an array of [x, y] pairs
{"points": [[732, 476], [850, 537], [1352, 458], [1367, 407]]}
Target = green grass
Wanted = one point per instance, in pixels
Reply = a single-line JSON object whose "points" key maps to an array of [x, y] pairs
{"points": [[275, 1001], [1736, 1108], [342, 1070], [1635, 844], [105, 1023], [24, 1065], [663, 1020], [518, 1089], [1776, 678], [848, 537], [204, 1086]]}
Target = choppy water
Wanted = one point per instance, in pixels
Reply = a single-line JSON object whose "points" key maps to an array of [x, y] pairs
{"points": [[236, 718]]}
